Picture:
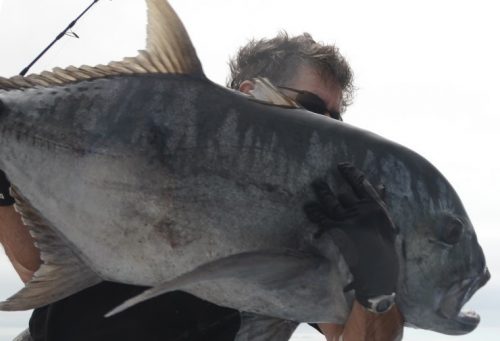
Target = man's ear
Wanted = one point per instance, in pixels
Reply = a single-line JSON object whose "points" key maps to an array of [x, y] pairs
{"points": [[246, 86]]}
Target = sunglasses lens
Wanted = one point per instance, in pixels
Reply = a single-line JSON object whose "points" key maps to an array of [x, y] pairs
{"points": [[335, 115], [311, 102]]}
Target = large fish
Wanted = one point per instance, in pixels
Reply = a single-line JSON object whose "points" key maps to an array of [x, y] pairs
{"points": [[144, 172]]}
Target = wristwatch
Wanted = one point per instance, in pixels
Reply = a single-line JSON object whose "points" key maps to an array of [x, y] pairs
{"points": [[379, 304]]}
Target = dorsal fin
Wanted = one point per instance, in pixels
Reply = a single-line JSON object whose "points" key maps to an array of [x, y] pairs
{"points": [[265, 92], [168, 50], [168, 40]]}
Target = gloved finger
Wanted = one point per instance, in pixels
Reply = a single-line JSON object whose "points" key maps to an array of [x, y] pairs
{"points": [[347, 199], [360, 185], [327, 198], [381, 191], [314, 212], [348, 215], [354, 177]]}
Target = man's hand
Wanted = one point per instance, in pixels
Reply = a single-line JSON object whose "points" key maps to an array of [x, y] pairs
{"points": [[364, 232]]}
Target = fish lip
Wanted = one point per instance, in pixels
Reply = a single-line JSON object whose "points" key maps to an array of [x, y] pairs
{"points": [[457, 296]]}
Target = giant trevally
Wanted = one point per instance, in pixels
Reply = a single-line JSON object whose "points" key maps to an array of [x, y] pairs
{"points": [[145, 172]]}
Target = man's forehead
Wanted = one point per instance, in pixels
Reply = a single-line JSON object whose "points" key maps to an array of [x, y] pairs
{"points": [[305, 70]]}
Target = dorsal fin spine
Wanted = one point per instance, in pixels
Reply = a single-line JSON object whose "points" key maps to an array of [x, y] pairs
{"points": [[39, 80], [153, 60]]}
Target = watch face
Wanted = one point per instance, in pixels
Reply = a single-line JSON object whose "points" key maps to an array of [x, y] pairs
{"points": [[381, 304], [384, 305]]}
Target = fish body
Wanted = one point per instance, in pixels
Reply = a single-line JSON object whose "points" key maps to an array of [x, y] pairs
{"points": [[167, 180]]}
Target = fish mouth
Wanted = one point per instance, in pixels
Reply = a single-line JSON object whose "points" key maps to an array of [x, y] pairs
{"points": [[456, 297]]}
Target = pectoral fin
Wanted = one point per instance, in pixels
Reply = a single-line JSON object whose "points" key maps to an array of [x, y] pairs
{"points": [[61, 274], [265, 92], [271, 270]]}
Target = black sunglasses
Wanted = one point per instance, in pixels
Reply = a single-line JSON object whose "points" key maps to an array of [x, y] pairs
{"points": [[312, 102]]}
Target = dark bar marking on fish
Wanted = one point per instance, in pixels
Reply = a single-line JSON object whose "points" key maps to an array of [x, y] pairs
{"points": [[3, 108]]}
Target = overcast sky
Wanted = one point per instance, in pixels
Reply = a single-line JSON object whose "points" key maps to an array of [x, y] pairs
{"points": [[427, 74]]}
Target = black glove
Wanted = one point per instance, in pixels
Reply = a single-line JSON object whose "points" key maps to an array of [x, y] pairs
{"points": [[364, 232], [5, 198]]}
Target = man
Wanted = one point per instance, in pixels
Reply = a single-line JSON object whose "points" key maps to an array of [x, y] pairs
{"points": [[319, 79]]}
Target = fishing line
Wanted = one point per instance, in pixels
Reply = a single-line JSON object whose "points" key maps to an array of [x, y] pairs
{"points": [[59, 36]]}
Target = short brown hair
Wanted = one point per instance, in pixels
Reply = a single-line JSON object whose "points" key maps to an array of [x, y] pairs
{"points": [[278, 58]]}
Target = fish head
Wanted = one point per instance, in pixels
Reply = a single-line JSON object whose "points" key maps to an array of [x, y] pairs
{"points": [[442, 263]]}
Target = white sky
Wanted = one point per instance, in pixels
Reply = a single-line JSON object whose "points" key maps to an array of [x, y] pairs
{"points": [[427, 72]]}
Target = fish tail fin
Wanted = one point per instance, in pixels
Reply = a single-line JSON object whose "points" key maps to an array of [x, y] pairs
{"points": [[61, 274]]}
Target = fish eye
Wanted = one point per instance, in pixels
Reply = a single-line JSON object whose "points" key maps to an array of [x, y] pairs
{"points": [[451, 231]]}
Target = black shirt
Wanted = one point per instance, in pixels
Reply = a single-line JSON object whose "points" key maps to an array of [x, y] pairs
{"points": [[173, 316], [5, 198]]}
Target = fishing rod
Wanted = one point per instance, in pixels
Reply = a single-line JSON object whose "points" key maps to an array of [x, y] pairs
{"points": [[59, 36]]}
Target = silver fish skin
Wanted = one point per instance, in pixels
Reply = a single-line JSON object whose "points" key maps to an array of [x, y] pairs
{"points": [[170, 181], [149, 177]]}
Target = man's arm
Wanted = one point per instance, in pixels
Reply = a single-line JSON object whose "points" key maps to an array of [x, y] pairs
{"points": [[362, 229], [15, 237], [363, 325]]}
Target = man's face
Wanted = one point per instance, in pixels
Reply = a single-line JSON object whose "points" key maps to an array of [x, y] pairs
{"points": [[307, 78]]}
